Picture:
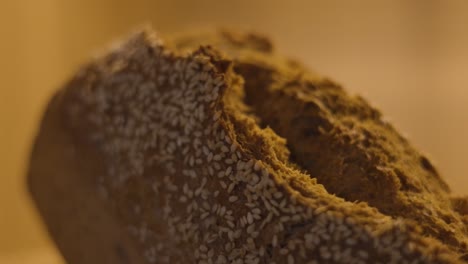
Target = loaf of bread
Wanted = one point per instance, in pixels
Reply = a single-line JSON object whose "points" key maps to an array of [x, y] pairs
{"points": [[211, 148]]}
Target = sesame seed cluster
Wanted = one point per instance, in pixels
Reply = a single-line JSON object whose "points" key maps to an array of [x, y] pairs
{"points": [[196, 180]]}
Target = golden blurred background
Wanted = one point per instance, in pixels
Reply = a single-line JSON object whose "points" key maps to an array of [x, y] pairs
{"points": [[407, 57]]}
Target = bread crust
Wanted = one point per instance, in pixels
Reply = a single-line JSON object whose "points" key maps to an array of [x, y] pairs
{"points": [[62, 180], [175, 166]]}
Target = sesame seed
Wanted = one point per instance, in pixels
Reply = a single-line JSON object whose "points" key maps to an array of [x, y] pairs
{"points": [[249, 218], [257, 165], [250, 228], [274, 242]]}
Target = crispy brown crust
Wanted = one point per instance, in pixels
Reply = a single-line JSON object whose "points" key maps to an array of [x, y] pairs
{"points": [[62, 180], [189, 174]]}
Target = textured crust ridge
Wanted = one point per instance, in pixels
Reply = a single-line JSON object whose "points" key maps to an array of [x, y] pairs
{"points": [[193, 178]]}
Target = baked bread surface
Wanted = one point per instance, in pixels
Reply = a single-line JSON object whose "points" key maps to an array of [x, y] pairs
{"points": [[213, 149]]}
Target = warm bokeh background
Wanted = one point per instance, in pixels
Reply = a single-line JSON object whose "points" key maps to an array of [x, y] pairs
{"points": [[409, 58]]}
